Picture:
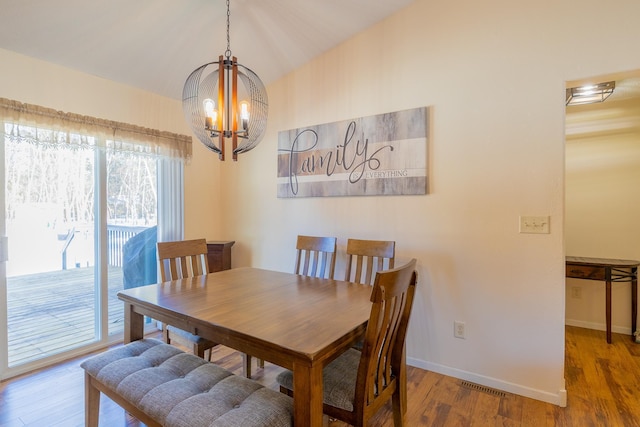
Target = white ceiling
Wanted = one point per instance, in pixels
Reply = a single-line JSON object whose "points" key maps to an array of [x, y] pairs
{"points": [[155, 44]]}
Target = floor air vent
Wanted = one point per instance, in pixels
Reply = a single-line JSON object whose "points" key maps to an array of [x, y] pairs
{"points": [[478, 387]]}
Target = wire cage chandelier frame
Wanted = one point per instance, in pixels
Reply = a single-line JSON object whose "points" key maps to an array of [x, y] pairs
{"points": [[216, 84]]}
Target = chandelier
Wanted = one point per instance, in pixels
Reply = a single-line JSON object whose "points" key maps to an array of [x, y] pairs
{"points": [[217, 109]]}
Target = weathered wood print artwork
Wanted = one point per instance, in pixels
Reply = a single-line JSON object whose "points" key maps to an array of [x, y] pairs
{"points": [[384, 154]]}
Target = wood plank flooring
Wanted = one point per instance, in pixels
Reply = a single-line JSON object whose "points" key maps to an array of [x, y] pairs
{"points": [[603, 384]]}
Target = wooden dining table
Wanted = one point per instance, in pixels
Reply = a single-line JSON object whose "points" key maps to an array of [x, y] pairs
{"points": [[300, 323]]}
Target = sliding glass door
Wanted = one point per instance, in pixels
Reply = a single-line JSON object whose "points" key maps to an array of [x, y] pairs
{"points": [[131, 228], [80, 225], [51, 297]]}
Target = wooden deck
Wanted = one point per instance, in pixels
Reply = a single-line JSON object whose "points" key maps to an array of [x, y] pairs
{"points": [[49, 313]]}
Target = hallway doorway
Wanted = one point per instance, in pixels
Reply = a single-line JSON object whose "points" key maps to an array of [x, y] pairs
{"points": [[602, 197]]}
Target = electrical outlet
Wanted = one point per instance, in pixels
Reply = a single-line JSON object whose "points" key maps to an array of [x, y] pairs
{"points": [[534, 224], [458, 329]]}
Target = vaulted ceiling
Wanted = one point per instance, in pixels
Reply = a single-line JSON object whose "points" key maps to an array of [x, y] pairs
{"points": [[155, 44]]}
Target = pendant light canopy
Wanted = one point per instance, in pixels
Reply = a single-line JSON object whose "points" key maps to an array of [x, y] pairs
{"points": [[218, 108]]}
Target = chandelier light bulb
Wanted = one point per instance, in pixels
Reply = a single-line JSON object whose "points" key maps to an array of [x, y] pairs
{"points": [[211, 115], [244, 114]]}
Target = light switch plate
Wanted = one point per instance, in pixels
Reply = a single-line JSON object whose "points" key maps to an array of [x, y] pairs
{"points": [[534, 224]]}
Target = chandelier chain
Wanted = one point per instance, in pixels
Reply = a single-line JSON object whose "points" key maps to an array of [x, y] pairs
{"points": [[227, 53]]}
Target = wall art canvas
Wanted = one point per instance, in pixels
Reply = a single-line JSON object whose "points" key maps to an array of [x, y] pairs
{"points": [[379, 155]]}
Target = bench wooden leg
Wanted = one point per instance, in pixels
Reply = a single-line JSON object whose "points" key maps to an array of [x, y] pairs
{"points": [[91, 402]]}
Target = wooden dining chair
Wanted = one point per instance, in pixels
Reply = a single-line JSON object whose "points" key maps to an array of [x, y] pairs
{"points": [[365, 257], [316, 256], [358, 383], [179, 260]]}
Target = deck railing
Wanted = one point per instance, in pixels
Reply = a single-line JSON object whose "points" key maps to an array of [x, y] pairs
{"points": [[117, 236]]}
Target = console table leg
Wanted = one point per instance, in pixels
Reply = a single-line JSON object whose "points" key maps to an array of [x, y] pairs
{"points": [[634, 301], [608, 302]]}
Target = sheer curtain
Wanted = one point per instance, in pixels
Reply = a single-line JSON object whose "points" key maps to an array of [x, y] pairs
{"points": [[170, 200], [84, 131], [39, 125]]}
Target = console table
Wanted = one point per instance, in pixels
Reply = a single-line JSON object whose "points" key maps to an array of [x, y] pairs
{"points": [[609, 271]]}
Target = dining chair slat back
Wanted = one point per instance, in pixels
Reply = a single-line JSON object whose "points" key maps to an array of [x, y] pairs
{"points": [[316, 256], [366, 257], [358, 383], [182, 259]]}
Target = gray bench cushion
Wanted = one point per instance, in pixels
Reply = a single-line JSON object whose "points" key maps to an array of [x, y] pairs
{"points": [[182, 390]]}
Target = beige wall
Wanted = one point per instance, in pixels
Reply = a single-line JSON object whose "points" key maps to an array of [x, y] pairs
{"points": [[602, 203], [493, 75]]}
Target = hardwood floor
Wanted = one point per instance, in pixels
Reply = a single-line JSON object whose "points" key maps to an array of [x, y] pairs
{"points": [[603, 384]]}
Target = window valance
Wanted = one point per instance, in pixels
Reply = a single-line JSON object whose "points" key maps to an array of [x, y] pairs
{"points": [[58, 127]]}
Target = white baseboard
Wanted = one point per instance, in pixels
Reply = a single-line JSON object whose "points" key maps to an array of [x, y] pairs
{"points": [[559, 398], [598, 326]]}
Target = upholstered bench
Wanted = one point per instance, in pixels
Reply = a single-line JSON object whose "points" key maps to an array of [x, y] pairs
{"points": [[163, 386]]}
